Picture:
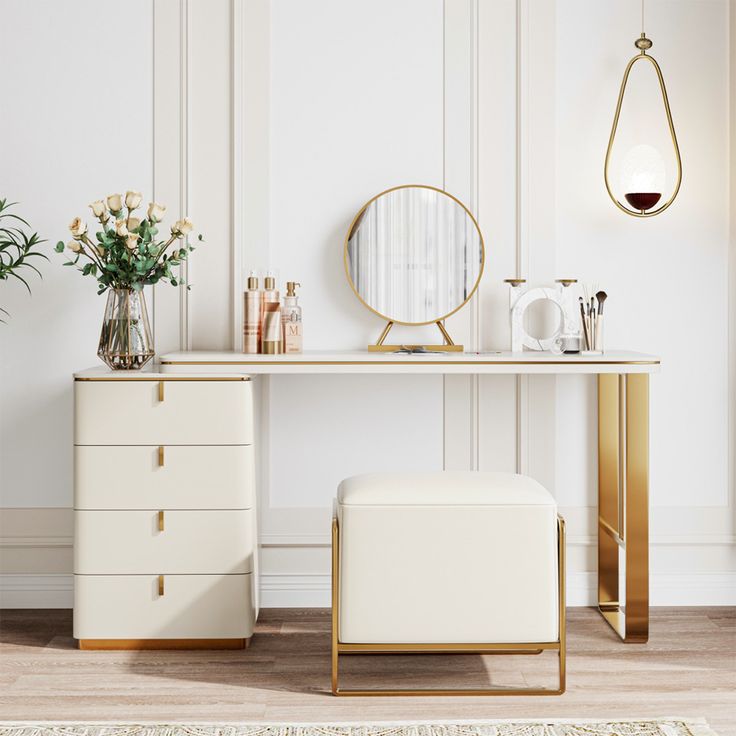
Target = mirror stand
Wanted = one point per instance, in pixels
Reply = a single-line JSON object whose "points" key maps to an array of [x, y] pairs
{"points": [[448, 346]]}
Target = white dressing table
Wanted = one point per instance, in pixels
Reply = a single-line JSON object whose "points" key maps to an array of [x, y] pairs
{"points": [[623, 440]]}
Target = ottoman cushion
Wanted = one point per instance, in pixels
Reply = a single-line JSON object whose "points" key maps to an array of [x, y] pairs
{"points": [[448, 557]]}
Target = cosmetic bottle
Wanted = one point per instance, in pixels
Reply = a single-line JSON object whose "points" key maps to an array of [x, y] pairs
{"points": [[272, 333], [252, 315], [270, 292], [291, 316]]}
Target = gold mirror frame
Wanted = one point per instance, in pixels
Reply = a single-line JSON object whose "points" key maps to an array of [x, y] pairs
{"points": [[643, 43], [448, 345]]}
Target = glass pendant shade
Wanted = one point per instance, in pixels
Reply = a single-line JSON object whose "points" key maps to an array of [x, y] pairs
{"points": [[642, 170]]}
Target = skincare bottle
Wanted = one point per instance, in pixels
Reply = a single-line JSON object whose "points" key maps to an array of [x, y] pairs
{"points": [[270, 292], [270, 295], [252, 315], [291, 316], [272, 333]]}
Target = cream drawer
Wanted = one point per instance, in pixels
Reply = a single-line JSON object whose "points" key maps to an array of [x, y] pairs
{"points": [[191, 607], [191, 542], [169, 412], [164, 477]]}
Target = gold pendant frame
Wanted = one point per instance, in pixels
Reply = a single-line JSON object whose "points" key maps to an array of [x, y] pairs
{"points": [[643, 43]]}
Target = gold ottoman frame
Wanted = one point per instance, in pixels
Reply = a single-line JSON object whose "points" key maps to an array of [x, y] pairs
{"points": [[339, 647]]}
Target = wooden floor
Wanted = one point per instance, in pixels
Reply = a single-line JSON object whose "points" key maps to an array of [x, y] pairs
{"points": [[687, 669]]}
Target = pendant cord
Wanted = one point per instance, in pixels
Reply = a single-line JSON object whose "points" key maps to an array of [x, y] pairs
{"points": [[642, 17]]}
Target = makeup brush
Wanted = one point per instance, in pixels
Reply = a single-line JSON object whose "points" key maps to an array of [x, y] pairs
{"points": [[601, 297], [585, 323]]}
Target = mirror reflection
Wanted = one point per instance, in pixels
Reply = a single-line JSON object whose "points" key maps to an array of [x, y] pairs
{"points": [[414, 255]]}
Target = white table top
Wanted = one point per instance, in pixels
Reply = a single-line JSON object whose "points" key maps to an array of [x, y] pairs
{"points": [[362, 361]]}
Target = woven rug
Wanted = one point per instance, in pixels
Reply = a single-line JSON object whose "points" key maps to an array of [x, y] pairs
{"points": [[559, 727]]}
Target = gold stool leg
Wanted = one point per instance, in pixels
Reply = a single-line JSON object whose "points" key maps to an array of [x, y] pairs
{"points": [[623, 502], [335, 603]]}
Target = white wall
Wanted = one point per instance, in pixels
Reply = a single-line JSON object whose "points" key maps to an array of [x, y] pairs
{"points": [[274, 120], [75, 126]]}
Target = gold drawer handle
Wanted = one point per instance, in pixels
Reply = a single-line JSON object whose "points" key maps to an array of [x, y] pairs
{"points": [[161, 585], [160, 521], [160, 390], [161, 456]]}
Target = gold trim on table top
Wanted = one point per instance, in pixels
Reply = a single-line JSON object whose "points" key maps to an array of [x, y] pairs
{"points": [[398, 362], [163, 378]]}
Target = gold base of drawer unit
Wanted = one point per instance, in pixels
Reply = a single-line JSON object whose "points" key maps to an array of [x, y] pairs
{"points": [[141, 644]]}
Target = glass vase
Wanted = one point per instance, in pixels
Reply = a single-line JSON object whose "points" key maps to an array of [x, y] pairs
{"points": [[125, 340]]}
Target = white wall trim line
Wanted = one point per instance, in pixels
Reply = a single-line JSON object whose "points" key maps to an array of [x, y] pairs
{"points": [[312, 590]]}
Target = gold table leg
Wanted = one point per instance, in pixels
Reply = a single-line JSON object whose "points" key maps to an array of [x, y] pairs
{"points": [[623, 503]]}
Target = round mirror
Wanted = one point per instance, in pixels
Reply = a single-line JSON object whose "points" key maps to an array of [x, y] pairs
{"points": [[414, 255]]}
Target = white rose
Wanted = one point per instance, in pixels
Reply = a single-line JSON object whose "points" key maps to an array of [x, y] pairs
{"points": [[156, 212], [115, 203], [74, 246], [78, 227], [182, 227], [121, 228], [133, 223], [131, 242], [133, 199], [99, 209]]}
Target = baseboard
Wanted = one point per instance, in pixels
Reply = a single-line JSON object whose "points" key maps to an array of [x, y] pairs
{"points": [[313, 590], [36, 591]]}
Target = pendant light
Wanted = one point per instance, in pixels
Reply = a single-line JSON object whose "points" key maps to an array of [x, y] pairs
{"points": [[642, 169]]}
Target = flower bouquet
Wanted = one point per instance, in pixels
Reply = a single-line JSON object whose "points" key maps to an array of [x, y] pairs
{"points": [[125, 256]]}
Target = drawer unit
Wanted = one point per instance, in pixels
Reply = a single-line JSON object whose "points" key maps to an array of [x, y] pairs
{"points": [[164, 477], [165, 511], [126, 607], [163, 412], [172, 542]]}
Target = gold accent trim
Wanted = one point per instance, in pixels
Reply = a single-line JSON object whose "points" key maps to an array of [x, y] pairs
{"points": [[449, 648], [160, 521], [623, 502], [410, 361], [665, 100], [161, 585], [137, 644], [168, 378], [160, 456], [360, 213], [160, 390]]}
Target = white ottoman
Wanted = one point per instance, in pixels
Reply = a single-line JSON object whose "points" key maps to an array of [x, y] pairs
{"points": [[447, 562]]}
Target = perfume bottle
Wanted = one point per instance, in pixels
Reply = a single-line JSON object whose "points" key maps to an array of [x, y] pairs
{"points": [[252, 315], [291, 317]]}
